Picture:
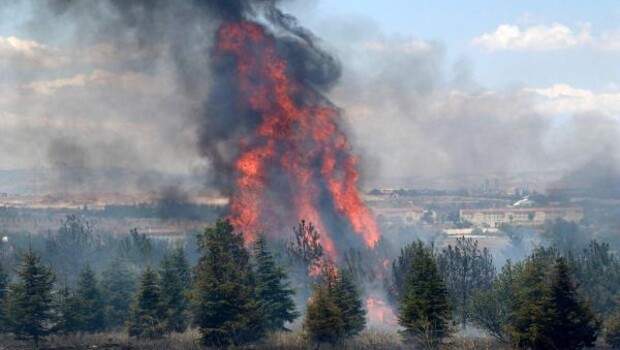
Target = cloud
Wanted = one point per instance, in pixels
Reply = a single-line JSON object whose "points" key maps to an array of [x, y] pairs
{"points": [[418, 121], [564, 99], [97, 77], [23, 52], [534, 38], [402, 47]]}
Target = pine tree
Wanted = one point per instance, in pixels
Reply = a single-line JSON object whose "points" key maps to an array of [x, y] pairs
{"points": [[226, 310], [323, 322], [4, 285], [118, 286], [424, 311], [180, 264], [527, 320], [68, 312], [347, 298], [146, 315], [173, 294], [90, 301], [570, 322], [549, 313], [272, 290], [29, 308]]}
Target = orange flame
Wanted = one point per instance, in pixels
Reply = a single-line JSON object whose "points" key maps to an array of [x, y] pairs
{"points": [[379, 312], [297, 142]]}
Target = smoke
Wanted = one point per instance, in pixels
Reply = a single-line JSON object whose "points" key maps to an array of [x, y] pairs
{"points": [[421, 120], [139, 73]]}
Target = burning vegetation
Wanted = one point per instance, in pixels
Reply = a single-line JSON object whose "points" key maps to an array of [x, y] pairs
{"points": [[294, 162], [290, 248]]}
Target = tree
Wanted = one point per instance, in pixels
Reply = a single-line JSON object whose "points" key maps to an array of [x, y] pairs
{"points": [[68, 312], [323, 322], [571, 323], [424, 311], [612, 330], [71, 247], [118, 285], [226, 310], [528, 318], [306, 245], [4, 285], [565, 236], [29, 308], [466, 269], [491, 309], [146, 315], [401, 267], [173, 293], [90, 302], [347, 299], [179, 263], [272, 290], [549, 313], [597, 270], [137, 247]]}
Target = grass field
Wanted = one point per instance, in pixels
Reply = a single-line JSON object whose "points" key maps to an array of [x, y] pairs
{"points": [[369, 339]]}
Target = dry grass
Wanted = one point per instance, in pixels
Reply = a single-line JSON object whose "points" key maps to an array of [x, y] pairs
{"points": [[370, 339]]}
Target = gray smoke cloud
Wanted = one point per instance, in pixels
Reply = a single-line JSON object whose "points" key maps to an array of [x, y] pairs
{"points": [[143, 71], [127, 84], [420, 120]]}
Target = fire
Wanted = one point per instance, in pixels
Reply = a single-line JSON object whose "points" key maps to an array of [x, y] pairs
{"points": [[379, 312], [297, 163]]}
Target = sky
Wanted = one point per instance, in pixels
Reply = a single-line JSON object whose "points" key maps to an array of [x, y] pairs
{"points": [[427, 88], [548, 58]]}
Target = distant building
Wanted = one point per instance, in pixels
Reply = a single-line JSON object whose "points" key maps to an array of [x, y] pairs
{"points": [[404, 215], [519, 216], [459, 232]]}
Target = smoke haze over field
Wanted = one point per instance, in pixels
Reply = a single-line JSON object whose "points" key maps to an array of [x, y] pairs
{"points": [[123, 85]]}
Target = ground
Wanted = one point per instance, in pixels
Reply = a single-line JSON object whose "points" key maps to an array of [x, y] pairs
{"points": [[369, 339]]}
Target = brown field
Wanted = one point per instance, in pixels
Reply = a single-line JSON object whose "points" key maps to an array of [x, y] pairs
{"points": [[369, 339]]}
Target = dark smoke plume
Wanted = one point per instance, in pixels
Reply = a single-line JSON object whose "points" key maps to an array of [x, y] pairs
{"points": [[183, 31]]}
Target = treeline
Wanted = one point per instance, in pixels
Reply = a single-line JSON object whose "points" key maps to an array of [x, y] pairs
{"points": [[233, 295], [74, 281], [553, 299]]}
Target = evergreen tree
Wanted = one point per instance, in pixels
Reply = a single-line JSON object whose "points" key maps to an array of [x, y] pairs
{"points": [[182, 268], [526, 327], [598, 274], [29, 308], [118, 285], [348, 300], [90, 302], [4, 285], [323, 322], [173, 294], [146, 315], [226, 310], [424, 311], [549, 313], [571, 323], [401, 267], [272, 290], [68, 312]]}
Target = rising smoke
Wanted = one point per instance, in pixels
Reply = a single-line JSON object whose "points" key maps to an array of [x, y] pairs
{"points": [[256, 96], [138, 73]]}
